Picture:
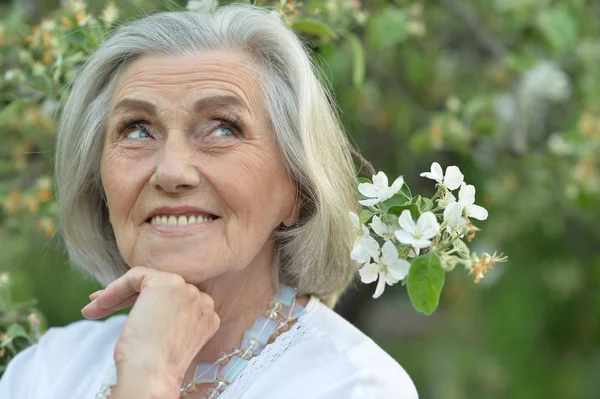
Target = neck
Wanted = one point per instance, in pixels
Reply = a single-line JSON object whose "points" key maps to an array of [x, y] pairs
{"points": [[240, 297]]}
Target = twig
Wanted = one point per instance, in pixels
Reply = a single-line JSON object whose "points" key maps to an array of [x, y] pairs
{"points": [[366, 168]]}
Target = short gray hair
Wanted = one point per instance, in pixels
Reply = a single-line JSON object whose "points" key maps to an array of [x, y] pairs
{"points": [[314, 253]]}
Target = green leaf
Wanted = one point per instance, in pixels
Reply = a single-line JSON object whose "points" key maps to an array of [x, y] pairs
{"points": [[358, 60], [406, 191], [364, 216], [425, 281], [399, 199], [364, 180], [397, 210], [16, 330], [559, 28], [386, 28], [313, 27]]}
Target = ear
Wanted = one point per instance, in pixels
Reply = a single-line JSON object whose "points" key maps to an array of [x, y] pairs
{"points": [[294, 214]]}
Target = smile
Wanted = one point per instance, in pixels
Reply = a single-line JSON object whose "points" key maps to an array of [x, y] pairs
{"points": [[182, 220]]}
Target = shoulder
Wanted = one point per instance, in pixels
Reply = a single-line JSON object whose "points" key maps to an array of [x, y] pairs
{"points": [[377, 370], [62, 356], [333, 360], [81, 339]]}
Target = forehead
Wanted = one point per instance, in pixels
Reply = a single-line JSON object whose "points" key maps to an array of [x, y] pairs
{"points": [[182, 79]]}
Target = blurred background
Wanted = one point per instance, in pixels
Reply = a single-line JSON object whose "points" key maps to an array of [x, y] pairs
{"points": [[508, 90]]}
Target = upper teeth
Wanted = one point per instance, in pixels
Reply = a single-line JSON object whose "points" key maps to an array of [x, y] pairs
{"points": [[178, 220]]}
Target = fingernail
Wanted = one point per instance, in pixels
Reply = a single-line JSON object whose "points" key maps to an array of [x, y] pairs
{"points": [[89, 305], [94, 295]]}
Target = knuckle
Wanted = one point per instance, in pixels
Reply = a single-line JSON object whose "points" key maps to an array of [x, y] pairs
{"points": [[216, 320], [177, 281], [207, 301]]}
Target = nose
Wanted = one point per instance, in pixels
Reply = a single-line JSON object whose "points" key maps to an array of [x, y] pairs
{"points": [[175, 171]]}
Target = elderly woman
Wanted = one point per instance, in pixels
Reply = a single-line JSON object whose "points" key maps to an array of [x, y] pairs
{"points": [[204, 178]]}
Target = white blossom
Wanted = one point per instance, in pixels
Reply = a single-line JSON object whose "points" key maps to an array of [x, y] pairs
{"points": [[202, 5], [379, 190], [417, 235], [365, 247], [547, 81], [110, 13], [451, 180], [389, 270], [381, 229], [465, 206]]}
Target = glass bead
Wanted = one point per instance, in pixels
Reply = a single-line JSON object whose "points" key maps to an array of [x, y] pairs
{"points": [[206, 372], [232, 369], [276, 306], [262, 330], [272, 314], [220, 385], [213, 393], [222, 358], [292, 313], [285, 295], [282, 326], [251, 343]]}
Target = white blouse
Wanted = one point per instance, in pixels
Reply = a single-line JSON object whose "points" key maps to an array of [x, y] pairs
{"points": [[321, 357]]}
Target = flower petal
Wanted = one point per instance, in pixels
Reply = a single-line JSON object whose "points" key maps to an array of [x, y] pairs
{"points": [[380, 228], [399, 269], [397, 184], [389, 253], [428, 225], [372, 247], [404, 237], [454, 178], [466, 195], [380, 286], [406, 221], [386, 193], [359, 253], [453, 213], [367, 189], [477, 212], [435, 174], [369, 202], [421, 243], [380, 180], [368, 273]]}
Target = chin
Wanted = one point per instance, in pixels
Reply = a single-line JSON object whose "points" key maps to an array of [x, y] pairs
{"points": [[193, 268]]}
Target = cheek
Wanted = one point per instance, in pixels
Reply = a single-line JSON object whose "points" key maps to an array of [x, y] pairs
{"points": [[122, 180], [256, 188]]}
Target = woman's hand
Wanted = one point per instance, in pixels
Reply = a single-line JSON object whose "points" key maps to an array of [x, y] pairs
{"points": [[168, 325]]}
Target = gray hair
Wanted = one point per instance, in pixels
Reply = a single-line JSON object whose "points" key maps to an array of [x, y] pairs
{"points": [[313, 253]]}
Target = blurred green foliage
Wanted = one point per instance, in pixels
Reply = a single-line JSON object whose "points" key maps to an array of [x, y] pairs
{"points": [[508, 90]]}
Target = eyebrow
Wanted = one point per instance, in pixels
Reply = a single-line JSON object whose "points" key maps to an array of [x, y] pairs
{"points": [[200, 105]]}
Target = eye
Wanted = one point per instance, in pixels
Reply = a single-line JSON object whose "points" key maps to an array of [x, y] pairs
{"points": [[226, 128], [135, 130], [224, 131], [138, 134]]}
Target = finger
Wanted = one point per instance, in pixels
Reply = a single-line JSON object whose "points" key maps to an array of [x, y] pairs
{"points": [[126, 303], [93, 311], [124, 287], [95, 294]]}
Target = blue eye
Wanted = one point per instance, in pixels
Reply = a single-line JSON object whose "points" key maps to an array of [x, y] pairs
{"points": [[138, 134], [224, 131]]}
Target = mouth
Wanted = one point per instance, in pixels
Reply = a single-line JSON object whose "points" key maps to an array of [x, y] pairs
{"points": [[180, 220]]}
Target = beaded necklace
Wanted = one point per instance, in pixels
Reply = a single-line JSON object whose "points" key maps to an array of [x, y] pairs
{"points": [[282, 311]]}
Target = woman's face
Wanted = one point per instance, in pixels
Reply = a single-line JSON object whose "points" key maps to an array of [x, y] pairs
{"points": [[192, 172]]}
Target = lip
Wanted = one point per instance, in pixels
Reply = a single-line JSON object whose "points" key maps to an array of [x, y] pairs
{"points": [[179, 211], [166, 231]]}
